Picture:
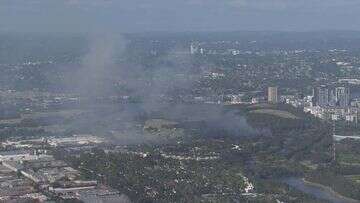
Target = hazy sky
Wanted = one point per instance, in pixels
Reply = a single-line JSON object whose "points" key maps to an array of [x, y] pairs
{"points": [[178, 15]]}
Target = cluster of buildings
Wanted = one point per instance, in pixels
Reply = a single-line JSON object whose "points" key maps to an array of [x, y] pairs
{"points": [[333, 103], [329, 102], [272, 97], [227, 48], [328, 96], [16, 188], [196, 49], [214, 48], [30, 172]]}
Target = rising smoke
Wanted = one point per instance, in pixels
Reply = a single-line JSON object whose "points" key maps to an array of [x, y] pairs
{"points": [[104, 67], [96, 75]]}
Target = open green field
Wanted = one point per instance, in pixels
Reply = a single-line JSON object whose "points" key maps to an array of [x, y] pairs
{"points": [[348, 158], [274, 112], [64, 113], [354, 178], [10, 121]]}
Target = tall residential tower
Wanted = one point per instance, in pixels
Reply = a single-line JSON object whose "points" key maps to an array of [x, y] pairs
{"points": [[273, 95]]}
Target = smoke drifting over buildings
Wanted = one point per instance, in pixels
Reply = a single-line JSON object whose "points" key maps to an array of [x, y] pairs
{"points": [[103, 69]]}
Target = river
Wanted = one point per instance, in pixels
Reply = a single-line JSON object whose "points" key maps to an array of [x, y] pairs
{"points": [[318, 191]]}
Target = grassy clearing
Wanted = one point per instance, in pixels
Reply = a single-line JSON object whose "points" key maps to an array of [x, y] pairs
{"points": [[274, 112], [354, 178], [348, 158]]}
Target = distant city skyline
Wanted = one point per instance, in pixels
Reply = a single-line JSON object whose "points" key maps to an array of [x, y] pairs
{"points": [[177, 15]]}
